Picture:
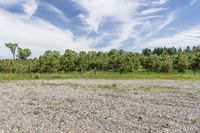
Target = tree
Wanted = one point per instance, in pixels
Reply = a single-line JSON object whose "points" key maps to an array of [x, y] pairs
{"points": [[82, 62], [195, 64], [180, 62], [125, 62], [172, 51], [69, 61], [49, 62], [114, 60], [102, 61], [147, 63], [158, 51], [12, 47], [146, 52], [166, 62], [92, 59], [23, 54], [188, 50]]}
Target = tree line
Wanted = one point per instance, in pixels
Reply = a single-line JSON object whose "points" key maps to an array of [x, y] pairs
{"points": [[156, 60]]}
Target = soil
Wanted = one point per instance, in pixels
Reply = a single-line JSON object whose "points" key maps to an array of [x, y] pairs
{"points": [[58, 106]]}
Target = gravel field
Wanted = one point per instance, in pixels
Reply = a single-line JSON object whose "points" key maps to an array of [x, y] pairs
{"points": [[90, 106]]}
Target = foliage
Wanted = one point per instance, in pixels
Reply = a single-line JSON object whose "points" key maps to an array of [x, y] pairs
{"points": [[180, 62], [69, 61], [12, 47], [195, 62], [23, 54], [49, 62], [156, 60]]}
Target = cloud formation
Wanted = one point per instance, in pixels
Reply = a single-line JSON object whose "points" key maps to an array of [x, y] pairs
{"points": [[104, 25], [37, 34], [188, 37]]}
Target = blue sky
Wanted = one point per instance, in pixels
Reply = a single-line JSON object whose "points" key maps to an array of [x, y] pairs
{"points": [[98, 24]]}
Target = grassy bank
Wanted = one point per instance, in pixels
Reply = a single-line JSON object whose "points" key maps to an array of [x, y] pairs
{"points": [[102, 75]]}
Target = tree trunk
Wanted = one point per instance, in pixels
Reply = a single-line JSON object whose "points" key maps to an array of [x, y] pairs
{"points": [[95, 70], [13, 56]]}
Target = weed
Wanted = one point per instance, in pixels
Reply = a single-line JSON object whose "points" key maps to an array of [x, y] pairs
{"points": [[61, 121], [37, 76], [31, 103], [36, 112], [194, 121], [70, 100]]}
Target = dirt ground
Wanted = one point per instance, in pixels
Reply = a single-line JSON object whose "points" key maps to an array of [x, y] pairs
{"points": [[58, 106]]}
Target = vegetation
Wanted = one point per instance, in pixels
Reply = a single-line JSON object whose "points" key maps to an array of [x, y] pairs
{"points": [[101, 75], [162, 61], [13, 48]]}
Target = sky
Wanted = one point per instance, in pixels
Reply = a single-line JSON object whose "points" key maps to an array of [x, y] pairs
{"points": [[98, 25]]}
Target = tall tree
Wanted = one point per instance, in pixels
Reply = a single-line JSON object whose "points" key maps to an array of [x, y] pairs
{"points": [[12, 47], [69, 61], [23, 54]]}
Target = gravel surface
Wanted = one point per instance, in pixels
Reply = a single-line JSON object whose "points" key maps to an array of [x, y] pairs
{"points": [[57, 106]]}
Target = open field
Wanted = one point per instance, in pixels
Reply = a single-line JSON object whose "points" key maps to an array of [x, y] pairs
{"points": [[102, 75], [49, 106]]}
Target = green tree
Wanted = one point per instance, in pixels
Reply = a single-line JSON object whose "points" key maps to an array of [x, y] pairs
{"points": [[114, 59], [102, 61], [127, 62], [82, 62], [69, 61], [166, 62], [12, 47], [146, 52], [49, 62], [156, 62], [23, 54], [124, 62], [92, 59], [180, 62], [195, 64], [147, 63]]}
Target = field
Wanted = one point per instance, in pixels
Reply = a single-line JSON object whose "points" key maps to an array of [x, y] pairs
{"points": [[102, 75], [91, 105]]}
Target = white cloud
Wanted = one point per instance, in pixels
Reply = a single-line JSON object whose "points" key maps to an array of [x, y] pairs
{"points": [[127, 13], [159, 2], [189, 37], [137, 20], [120, 10], [152, 10], [30, 6], [37, 34]]}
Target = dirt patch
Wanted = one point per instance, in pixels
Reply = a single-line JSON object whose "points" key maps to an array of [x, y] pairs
{"points": [[99, 105]]}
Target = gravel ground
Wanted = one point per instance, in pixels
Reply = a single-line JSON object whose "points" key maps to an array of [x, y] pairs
{"points": [[57, 106]]}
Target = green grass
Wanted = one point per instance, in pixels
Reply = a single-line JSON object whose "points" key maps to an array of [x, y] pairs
{"points": [[101, 75]]}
